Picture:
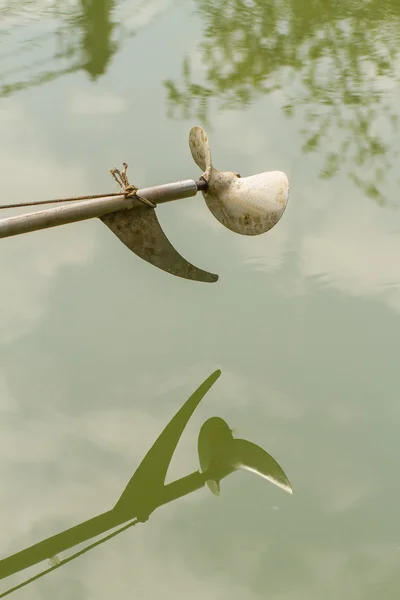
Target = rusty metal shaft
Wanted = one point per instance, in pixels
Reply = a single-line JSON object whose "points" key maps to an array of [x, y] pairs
{"points": [[96, 207]]}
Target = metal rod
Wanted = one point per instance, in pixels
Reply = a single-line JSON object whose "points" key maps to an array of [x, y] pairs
{"points": [[97, 207]]}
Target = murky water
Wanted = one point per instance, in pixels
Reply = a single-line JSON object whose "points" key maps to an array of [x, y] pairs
{"points": [[98, 350]]}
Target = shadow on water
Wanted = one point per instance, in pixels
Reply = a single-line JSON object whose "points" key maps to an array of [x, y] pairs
{"points": [[335, 63], [220, 454]]}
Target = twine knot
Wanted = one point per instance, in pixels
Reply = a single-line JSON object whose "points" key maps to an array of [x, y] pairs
{"points": [[129, 190]]}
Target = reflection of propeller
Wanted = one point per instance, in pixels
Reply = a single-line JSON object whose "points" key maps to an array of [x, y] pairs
{"points": [[145, 489], [143, 494], [246, 205], [221, 454]]}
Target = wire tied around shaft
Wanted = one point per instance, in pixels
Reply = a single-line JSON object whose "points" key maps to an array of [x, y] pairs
{"points": [[130, 191]]}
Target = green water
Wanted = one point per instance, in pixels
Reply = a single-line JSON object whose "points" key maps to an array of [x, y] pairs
{"points": [[98, 349]]}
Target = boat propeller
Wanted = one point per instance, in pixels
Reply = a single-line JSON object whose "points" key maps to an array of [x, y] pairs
{"points": [[245, 205]]}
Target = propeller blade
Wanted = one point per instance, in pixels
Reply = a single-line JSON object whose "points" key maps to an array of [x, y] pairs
{"points": [[252, 458]]}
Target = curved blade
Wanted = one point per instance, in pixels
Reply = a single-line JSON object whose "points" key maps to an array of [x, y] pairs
{"points": [[148, 480], [252, 458], [200, 148], [139, 229]]}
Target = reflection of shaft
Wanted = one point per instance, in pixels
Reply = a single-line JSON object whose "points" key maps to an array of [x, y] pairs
{"points": [[93, 527], [57, 543]]}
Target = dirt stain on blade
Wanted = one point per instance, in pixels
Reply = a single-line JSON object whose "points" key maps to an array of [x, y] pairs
{"points": [[139, 229]]}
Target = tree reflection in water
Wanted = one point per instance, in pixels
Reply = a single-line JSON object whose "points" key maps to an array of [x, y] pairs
{"points": [[337, 63]]}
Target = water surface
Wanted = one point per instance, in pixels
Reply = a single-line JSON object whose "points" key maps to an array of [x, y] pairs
{"points": [[98, 349]]}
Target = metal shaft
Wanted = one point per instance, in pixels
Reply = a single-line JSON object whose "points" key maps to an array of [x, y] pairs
{"points": [[96, 207]]}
